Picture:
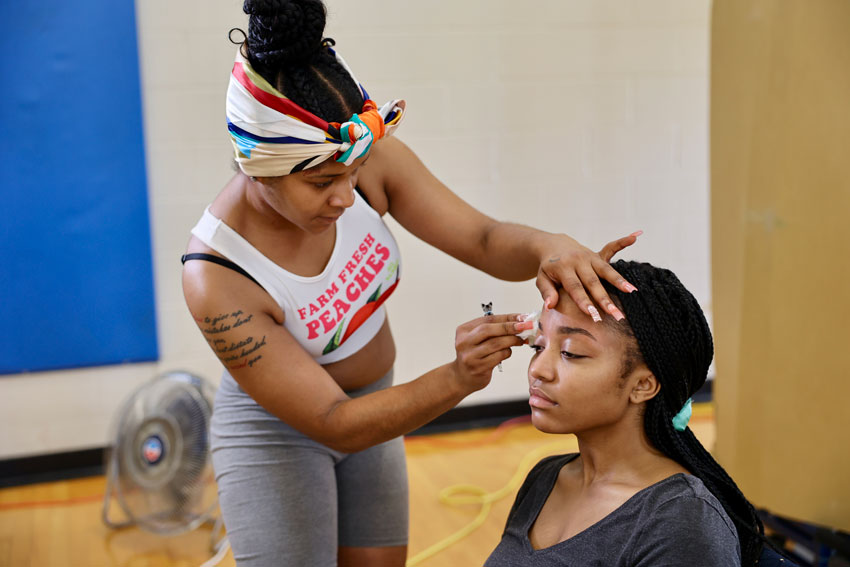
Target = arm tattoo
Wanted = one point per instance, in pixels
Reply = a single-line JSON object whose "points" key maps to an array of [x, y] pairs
{"points": [[236, 352]]}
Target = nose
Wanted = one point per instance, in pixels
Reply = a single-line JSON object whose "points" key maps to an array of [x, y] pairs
{"points": [[542, 367], [343, 195]]}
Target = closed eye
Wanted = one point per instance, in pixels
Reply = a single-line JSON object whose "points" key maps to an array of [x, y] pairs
{"points": [[571, 356], [564, 353]]}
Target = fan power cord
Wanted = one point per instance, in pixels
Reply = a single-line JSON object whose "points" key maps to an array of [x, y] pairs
{"points": [[464, 494]]}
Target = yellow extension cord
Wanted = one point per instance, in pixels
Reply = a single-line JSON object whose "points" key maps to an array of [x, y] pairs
{"points": [[462, 494]]}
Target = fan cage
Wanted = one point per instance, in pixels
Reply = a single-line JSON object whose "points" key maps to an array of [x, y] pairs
{"points": [[158, 462]]}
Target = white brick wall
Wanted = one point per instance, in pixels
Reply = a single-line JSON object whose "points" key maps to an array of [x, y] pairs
{"points": [[583, 116]]}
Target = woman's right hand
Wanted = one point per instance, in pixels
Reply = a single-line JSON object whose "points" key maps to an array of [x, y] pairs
{"points": [[483, 343]]}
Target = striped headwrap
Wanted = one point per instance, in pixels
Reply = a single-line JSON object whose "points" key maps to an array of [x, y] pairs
{"points": [[273, 136]]}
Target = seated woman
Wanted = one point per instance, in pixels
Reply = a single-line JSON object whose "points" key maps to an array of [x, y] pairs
{"points": [[642, 490]]}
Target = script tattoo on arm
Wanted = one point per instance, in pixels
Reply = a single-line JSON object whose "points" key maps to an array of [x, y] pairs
{"points": [[240, 352]]}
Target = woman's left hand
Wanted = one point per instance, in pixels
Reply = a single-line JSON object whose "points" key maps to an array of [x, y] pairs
{"points": [[577, 269], [403, 186]]}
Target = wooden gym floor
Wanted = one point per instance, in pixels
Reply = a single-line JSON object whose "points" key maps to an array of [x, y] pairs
{"points": [[58, 524]]}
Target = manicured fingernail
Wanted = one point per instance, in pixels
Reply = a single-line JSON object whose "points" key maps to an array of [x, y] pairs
{"points": [[594, 314], [636, 233], [524, 326], [629, 287], [615, 313]]}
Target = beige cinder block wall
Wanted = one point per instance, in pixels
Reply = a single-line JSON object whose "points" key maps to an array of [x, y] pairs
{"points": [[587, 116], [780, 198]]}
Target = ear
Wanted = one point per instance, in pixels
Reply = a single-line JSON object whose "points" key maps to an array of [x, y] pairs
{"points": [[646, 386]]}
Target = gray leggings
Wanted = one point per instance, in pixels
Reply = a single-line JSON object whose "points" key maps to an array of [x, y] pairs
{"points": [[288, 500]]}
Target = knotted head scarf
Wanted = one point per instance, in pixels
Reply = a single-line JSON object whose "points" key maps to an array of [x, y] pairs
{"points": [[273, 136]]}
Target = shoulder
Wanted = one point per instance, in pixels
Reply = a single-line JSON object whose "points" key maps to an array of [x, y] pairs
{"points": [[682, 522], [390, 157], [688, 492], [209, 287], [685, 497], [392, 170], [546, 468], [376, 172]]}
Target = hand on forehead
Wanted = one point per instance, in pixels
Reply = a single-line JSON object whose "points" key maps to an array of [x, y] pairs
{"points": [[566, 314], [568, 306]]}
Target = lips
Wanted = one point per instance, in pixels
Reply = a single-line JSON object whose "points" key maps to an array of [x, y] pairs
{"points": [[538, 399]]}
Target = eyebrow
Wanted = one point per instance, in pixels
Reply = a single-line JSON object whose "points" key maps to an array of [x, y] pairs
{"points": [[319, 174], [308, 173], [570, 331]]}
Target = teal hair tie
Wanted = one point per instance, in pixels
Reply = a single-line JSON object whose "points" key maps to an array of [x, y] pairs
{"points": [[681, 419]]}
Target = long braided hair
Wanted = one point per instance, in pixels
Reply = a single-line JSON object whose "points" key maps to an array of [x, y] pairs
{"points": [[675, 342], [285, 45]]}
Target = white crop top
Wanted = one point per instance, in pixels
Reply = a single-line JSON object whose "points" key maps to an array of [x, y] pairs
{"points": [[334, 314]]}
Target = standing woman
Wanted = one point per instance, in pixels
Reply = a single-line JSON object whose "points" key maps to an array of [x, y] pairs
{"points": [[291, 264]]}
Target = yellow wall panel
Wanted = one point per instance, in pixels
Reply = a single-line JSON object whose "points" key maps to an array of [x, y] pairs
{"points": [[780, 184]]}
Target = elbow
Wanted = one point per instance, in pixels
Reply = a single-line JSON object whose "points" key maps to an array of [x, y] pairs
{"points": [[486, 236], [483, 256], [345, 443], [338, 436], [505, 252]]}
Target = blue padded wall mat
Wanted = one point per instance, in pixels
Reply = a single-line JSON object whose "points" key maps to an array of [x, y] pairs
{"points": [[76, 278]]}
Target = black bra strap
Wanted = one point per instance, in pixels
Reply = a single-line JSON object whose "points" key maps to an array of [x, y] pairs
{"points": [[220, 261], [363, 195]]}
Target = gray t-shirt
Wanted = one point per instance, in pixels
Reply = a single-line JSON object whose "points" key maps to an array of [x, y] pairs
{"points": [[675, 522]]}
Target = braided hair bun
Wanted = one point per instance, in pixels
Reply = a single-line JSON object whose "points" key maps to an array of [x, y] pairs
{"points": [[285, 45], [284, 32]]}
